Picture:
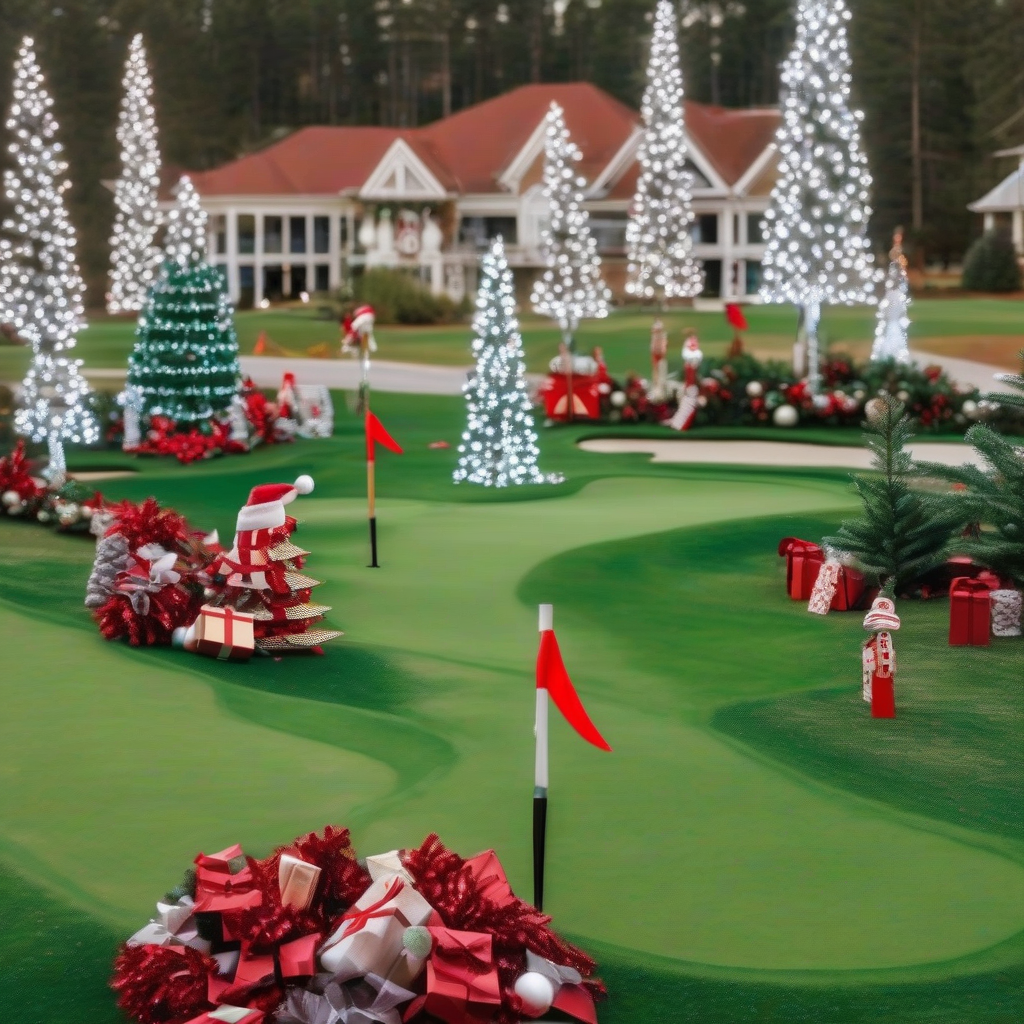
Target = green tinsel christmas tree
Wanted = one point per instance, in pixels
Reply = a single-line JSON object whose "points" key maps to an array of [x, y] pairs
{"points": [[185, 361], [901, 534]]}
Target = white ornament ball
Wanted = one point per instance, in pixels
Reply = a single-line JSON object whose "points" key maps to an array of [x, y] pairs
{"points": [[822, 402], [755, 389], [903, 396], [875, 409], [304, 484], [536, 991], [969, 409], [11, 498], [785, 416], [618, 399]]}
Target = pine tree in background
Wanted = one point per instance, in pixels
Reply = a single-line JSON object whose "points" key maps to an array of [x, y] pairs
{"points": [[499, 444], [892, 323], [901, 534], [1009, 398], [134, 257], [185, 362], [817, 251], [185, 240], [571, 288], [41, 289], [661, 262]]}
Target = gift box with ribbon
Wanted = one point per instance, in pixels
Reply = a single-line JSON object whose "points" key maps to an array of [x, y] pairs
{"points": [[218, 888], [803, 561], [174, 924], [369, 939], [227, 1014], [970, 604], [462, 979], [225, 634]]}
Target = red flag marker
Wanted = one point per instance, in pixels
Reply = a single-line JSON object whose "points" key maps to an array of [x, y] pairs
{"points": [[375, 434], [552, 680], [734, 315]]}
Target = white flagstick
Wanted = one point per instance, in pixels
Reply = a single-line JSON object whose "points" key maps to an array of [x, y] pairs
{"points": [[540, 773]]}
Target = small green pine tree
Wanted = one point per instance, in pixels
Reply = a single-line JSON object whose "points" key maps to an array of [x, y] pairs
{"points": [[991, 264], [185, 361], [993, 497], [901, 534]]}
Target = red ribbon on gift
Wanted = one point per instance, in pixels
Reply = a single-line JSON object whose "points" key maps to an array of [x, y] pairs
{"points": [[230, 617], [358, 919], [803, 562], [970, 612]]}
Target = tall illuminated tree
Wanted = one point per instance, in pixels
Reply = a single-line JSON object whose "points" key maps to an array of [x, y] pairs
{"points": [[499, 444], [571, 288], [185, 240], [134, 258], [893, 321], [661, 261], [817, 251], [41, 287]]}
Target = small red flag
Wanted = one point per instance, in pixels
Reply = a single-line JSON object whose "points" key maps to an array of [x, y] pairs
{"points": [[552, 676], [735, 316], [375, 433]]}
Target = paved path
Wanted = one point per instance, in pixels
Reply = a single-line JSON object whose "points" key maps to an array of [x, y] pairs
{"points": [[769, 453], [964, 371]]}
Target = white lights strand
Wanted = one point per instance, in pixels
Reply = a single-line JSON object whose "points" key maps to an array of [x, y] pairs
{"points": [[499, 444], [893, 320], [571, 288], [185, 241], [40, 285], [817, 251], [134, 256], [661, 262]]}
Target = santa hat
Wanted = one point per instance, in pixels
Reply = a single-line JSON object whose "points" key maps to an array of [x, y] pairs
{"points": [[265, 508], [363, 318], [882, 615]]}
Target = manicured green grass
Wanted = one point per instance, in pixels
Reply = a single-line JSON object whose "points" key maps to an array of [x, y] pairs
{"points": [[965, 327], [769, 870]]}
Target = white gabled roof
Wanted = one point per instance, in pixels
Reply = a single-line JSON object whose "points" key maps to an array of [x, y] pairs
{"points": [[1006, 197]]}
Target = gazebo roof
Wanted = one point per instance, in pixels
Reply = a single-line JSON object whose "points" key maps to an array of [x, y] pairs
{"points": [[1006, 197]]}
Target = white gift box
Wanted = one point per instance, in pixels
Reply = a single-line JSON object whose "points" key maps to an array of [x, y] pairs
{"points": [[387, 865], [297, 880]]}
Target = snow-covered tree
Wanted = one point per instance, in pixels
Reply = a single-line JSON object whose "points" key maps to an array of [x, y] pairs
{"points": [[185, 240], [893, 321], [817, 251], [499, 444], [571, 288], [661, 262], [41, 287], [134, 258]]}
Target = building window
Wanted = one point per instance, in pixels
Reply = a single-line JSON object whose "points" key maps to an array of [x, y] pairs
{"points": [[712, 279], [321, 234], [754, 234], [479, 232], [705, 229], [322, 281], [357, 225], [246, 233], [297, 234], [342, 232], [246, 285], [298, 280], [753, 277], [609, 233], [272, 234], [220, 233], [273, 282]]}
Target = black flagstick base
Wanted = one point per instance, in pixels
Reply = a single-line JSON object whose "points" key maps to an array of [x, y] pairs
{"points": [[373, 543], [540, 827]]}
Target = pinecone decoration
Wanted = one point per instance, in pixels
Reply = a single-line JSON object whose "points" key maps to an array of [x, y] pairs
{"points": [[1006, 611], [112, 556]]}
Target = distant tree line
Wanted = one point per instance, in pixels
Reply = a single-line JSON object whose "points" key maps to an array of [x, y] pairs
{"points": [[941, 81]]}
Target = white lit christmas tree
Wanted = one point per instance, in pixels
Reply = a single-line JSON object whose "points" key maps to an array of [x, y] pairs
{"points": [[817, 250], [661, 262], [893, 321], [41, 287], [185, 240], [571, 288], [499, 444], [134, 256]]}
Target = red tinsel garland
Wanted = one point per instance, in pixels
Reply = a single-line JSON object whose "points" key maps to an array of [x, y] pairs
{"points": [[15, 475], [162, 984], [170, 608], [148, 523]]}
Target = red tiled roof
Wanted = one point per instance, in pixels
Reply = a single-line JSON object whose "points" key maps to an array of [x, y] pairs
{"points": [[469, 151]]}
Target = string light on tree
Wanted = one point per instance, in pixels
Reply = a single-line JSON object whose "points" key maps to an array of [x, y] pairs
{"points": [[571, 288], [893, 321], [185, 240], [499, 444], [41, 287], [134, 257], [817, 251], [661, 262]]}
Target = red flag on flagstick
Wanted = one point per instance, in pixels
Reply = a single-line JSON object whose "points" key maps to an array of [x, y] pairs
{"points": [[376, 434], [735, 316], [553, 677]]}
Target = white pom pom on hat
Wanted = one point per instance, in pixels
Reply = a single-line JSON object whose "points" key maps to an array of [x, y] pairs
{"points": [[304, 484]]}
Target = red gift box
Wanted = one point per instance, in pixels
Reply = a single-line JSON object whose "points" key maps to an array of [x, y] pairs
{"points": [[970, 612], [850, 587], [803, 562], [229, 1015], [225, 634], [217, 889], [462, 980]]}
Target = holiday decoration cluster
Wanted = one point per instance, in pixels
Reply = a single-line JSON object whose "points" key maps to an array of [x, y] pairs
{"points": [[313, 935]]}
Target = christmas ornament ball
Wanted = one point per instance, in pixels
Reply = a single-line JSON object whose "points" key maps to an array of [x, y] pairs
{"points": [[822, 402], [875, 409], [773, 399], [536, 991], [618, 399], [755, 389], [969, 409], [10, 498], [785, 416], [903, 396]]}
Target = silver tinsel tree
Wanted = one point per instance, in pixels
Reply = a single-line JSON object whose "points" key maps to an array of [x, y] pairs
{"points": [[185, 240], [499, 444], [893, 321]]}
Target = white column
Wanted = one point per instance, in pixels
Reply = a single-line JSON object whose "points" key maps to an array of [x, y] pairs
{"points": [[1018, 230], [725, 232], [232, 253], [990, 222], [334, 250]]}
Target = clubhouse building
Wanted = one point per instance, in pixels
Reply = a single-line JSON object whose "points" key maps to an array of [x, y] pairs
{"points": [[306, 212]]}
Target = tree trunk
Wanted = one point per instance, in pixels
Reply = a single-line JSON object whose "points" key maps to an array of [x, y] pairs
{"points": [[916, 168]]}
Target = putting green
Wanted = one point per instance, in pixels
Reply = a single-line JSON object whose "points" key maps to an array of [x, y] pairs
{"points": [[119, 764]]}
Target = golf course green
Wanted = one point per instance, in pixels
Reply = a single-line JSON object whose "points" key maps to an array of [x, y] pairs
{"points": [[755, 848]]}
